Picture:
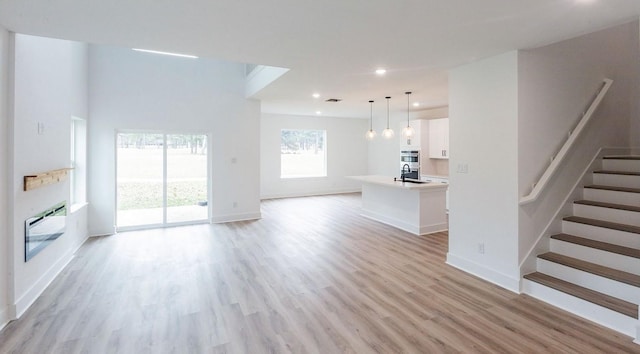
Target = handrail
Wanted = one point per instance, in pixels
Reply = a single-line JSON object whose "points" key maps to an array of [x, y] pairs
{"points": [[573, 135]]}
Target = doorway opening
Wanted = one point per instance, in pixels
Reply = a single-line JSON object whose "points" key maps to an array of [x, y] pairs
{"points": [[161, 179]]}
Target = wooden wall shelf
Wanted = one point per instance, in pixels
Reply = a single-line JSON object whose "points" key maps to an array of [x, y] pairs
{"points": [[45, 178]]}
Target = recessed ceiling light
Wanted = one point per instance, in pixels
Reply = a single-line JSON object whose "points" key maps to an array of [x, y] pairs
{"points": [[316, 95], [165, 53], [416, 104], [318, 112], [380, 71]]}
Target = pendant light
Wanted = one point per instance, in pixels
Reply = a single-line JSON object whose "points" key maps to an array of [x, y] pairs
{"points": [[371, 134], [408, 132], [387, 133]]}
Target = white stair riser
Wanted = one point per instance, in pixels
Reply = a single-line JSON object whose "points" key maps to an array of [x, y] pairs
{"points": [[616, 197], [616, 237], [621, 165], [601, 315], [593, 255], [616, 180], [590, 281], [607, 214]]}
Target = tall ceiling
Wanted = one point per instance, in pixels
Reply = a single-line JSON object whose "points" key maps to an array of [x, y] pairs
{"points": [[331, 46]]}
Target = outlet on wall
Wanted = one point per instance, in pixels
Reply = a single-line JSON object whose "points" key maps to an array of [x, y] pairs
{"points": [[481, 248]]}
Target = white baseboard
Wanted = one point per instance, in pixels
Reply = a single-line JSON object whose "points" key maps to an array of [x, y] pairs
{"points": [[485, 273], [402, 225], [309, 194], [28, 298], [4, 317], [103, 233], [218, 219], [430, 229]]}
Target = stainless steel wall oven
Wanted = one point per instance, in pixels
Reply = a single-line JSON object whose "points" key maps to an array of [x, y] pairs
{"points": [[410, 164]]}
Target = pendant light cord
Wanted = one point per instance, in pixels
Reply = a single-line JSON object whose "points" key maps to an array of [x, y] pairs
{"points": [[387, 111], [371, 117], [408, 105]]}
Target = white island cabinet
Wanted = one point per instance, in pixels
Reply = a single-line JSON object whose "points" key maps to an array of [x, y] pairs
{"points": [[418, 208]]}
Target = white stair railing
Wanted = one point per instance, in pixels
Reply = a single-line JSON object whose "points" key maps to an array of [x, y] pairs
{"points": [[573, 135]]}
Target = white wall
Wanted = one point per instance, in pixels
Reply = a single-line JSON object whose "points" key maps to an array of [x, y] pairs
{"points": [[49, 87], [4, 158], [483, 111], [133, 90], [557, 82], [346, 155]]}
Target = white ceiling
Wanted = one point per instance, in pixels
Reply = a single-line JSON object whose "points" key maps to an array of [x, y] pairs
{"points": [[331, 46]]}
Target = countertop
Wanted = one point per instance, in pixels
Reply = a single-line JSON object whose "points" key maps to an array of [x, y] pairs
{"points": [[389, 182], [434, 176]]}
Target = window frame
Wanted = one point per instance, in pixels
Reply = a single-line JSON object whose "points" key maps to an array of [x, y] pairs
{"points": [[78, 162], [324, 173]]}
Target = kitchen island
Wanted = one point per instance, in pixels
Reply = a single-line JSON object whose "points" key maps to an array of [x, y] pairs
{"points": [[418, 208]]}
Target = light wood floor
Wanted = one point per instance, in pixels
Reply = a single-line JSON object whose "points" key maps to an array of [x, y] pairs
{"points": [[311, 277]]}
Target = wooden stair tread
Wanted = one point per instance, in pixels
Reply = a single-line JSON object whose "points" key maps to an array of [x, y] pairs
{"points": [[604, 300], [622, 157], [613, 188], [610, 172], [606, 272], [608, 205], [604, 224], [603, 246]]}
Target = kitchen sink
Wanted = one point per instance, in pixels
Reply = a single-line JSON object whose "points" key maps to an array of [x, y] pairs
{"points": [[410, 180]]}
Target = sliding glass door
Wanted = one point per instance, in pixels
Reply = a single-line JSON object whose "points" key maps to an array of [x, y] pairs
{"points": [[186, 181], [161, 179]]}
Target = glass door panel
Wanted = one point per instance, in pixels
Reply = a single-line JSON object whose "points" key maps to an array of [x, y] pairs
{"points": [[140, 176], [186, 178]]}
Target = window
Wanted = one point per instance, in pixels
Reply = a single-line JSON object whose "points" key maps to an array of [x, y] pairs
{"points": [[78, 179], [303, 153]]}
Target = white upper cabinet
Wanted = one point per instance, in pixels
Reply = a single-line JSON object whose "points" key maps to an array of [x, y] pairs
{"points": [[439, 138]]}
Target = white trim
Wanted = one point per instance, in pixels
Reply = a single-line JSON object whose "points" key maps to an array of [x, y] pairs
{"points": [[108, 233], [101, 235], [219, 219], [159, 226], [31, 295], [573, 136], [4, 317], [312, 194], [481, 271], [403, 225]]}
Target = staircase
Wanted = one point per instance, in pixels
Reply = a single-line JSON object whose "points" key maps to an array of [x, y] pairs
{"points": [[593, 266]]}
